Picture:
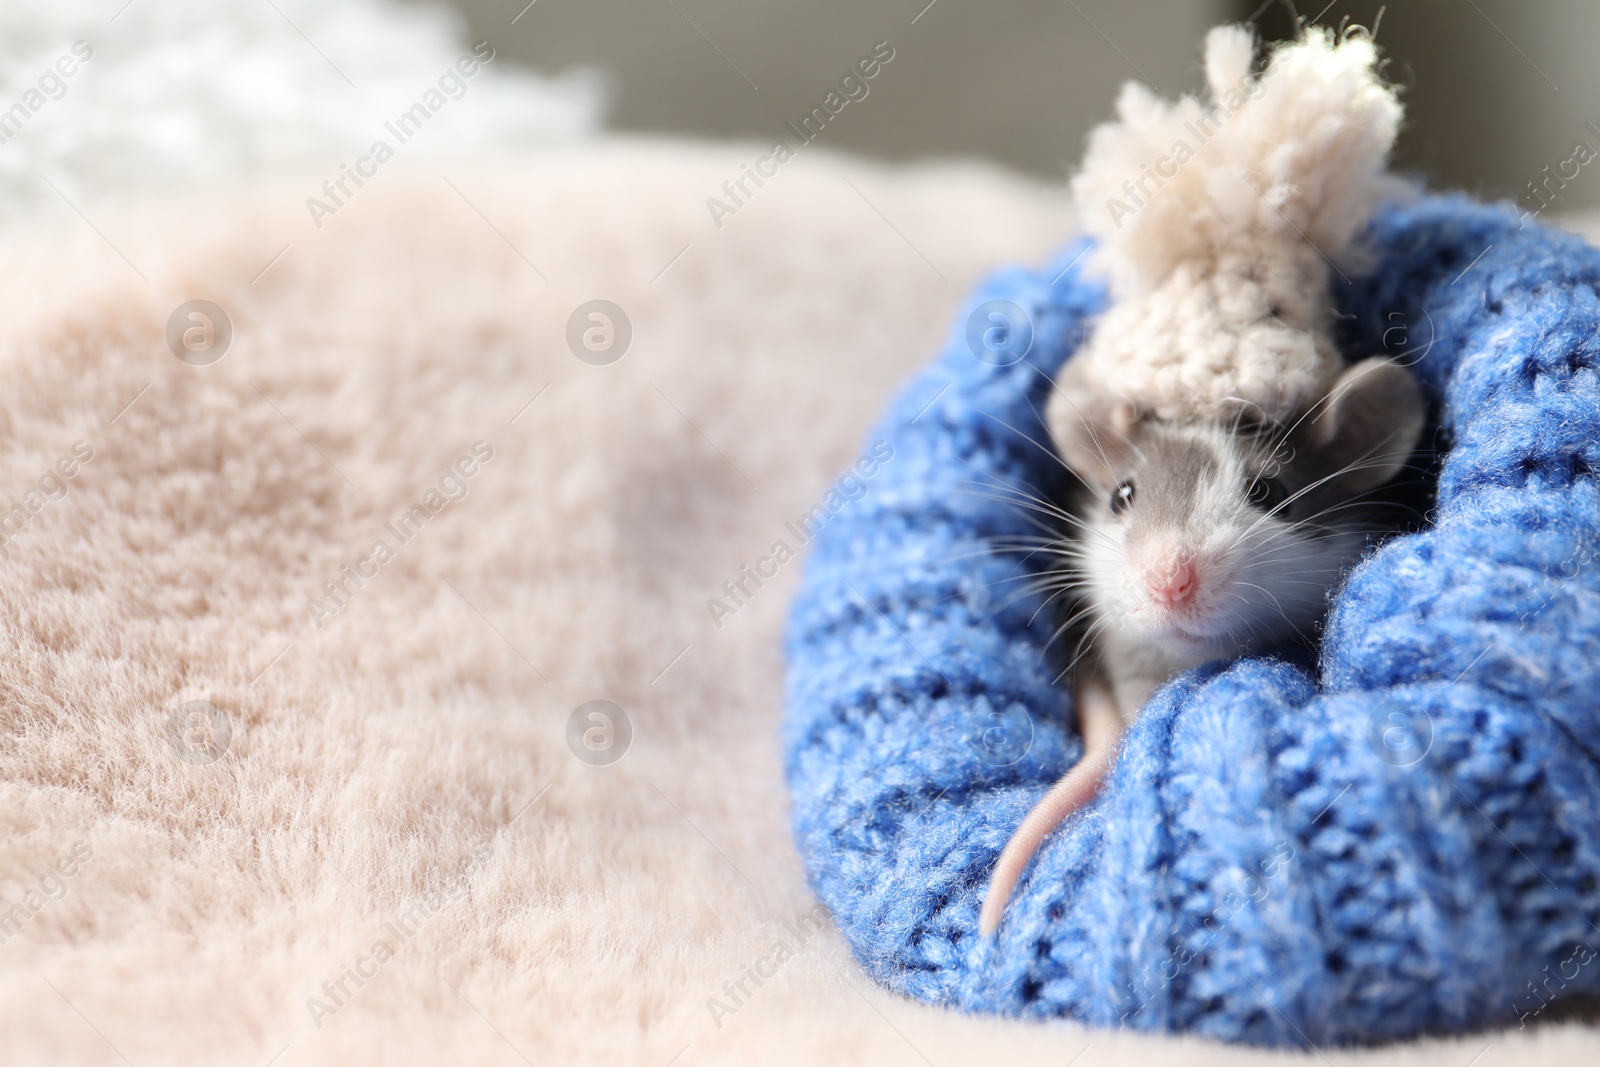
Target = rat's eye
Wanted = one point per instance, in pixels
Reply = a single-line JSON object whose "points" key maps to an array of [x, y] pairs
{"points": [[1121, 498], [1266, 493]]}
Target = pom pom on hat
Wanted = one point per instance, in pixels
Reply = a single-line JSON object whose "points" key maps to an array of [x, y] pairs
{"points": [[1219, 226]]}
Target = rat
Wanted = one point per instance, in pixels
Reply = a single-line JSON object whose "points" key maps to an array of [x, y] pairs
{"points": [[1202, 541], [1225, 453]]}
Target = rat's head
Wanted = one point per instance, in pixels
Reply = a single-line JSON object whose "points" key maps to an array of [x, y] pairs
{"points": [[1211, 537]]}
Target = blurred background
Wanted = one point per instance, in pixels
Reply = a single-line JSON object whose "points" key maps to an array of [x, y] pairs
{"points": [[193, 93], [1496, 89]]}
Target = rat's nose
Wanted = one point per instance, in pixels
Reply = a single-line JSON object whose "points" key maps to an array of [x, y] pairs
{"points": [[1171, 581]]}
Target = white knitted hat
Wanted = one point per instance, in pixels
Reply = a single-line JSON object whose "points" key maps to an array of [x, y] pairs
{"points": [[1218, 226]]}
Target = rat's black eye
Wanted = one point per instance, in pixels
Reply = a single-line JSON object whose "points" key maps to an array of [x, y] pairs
{"points": [[1121, 498], [1266, 493]]}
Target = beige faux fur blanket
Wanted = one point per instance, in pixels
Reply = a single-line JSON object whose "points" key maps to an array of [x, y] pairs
{"points": [[381, 847]]}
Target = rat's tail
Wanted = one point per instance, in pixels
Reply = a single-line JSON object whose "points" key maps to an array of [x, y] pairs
{"points": [[1101, 726]]}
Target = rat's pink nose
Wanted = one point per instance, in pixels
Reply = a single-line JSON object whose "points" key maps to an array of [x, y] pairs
{"points": [[1171, 582]]}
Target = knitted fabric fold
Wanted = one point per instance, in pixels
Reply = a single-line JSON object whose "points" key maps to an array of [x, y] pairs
{"points": [[1404, 839]]}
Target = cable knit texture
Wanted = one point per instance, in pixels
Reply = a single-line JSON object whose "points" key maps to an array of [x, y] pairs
{"points": [[1405, 839]]}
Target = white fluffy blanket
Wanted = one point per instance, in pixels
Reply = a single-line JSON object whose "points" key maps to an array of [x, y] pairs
{"points": [[382, 848]]}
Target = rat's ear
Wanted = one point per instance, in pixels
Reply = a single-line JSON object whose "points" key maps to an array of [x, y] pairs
{"points": [[1091, 430], [1370, 423]]}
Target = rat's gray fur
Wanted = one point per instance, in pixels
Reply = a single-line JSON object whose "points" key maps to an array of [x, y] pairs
{"points": [[1263, 570]]}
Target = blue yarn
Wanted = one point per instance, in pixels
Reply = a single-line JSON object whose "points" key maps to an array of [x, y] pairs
{"points": [[1400, 840]]}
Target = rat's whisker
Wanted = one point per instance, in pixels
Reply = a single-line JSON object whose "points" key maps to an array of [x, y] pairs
{"points": [[1049, 452], [1063, 628], [1083, 647]]}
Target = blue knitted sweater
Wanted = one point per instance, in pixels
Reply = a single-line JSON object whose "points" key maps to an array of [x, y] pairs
{"points": [[1403, 837]]}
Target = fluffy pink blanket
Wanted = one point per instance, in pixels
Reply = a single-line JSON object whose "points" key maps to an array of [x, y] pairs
{"points": [[298, 761]]}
